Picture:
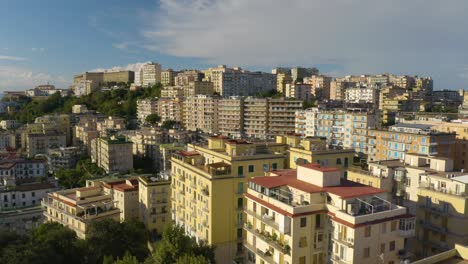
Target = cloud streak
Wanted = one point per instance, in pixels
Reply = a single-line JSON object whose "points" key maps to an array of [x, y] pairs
{"points": [[12, 58], [18, 78], [426, 37], [130, 67]]}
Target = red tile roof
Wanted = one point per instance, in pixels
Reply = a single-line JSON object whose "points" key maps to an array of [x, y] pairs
{"points": [[318, 167], [125, 187], [347, 189], [188, 153]]}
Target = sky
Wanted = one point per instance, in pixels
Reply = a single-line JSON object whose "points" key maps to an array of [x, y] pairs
{"points": [[51, 40]]}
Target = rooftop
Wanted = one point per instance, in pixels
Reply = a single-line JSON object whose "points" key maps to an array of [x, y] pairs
{"points": [[346, 189]]}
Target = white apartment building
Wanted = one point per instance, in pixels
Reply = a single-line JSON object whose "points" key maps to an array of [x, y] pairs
{"points": [[238, 82], [343, 128], [146, 107], [358, 95], [150, 74], [201, 113]]}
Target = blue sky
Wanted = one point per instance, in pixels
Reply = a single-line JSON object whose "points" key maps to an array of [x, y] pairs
{"points": [[49, 41]]}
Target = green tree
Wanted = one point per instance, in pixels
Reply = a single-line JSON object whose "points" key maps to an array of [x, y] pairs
{"points": [[192, 259], [69, 178], [127, 259], [153, 119], [175, 243], [169, 124], [111, 238]]}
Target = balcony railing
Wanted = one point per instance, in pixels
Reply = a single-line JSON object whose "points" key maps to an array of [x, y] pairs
{"points": [[270, 239], [339, 237]]}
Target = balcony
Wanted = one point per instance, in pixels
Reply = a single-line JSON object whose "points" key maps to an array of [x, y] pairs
{"points": [[428, 225], [270, 239], [445, 190], [265, 255], [339, 238]]}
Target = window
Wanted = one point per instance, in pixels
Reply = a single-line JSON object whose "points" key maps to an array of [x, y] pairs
{"points": [[251, 168], [303, 221], [274, 166], [382, 248], [266, 167], [240, 171], [240, 203], [392, 246], [367, 231], [338, 161], [384, 228], [33, 194], [303, 242], [393, 225], [366, 252], [240, 188], [239, 233], [302, 260], [317, 221]]}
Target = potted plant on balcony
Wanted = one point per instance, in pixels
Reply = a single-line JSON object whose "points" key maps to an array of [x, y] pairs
{"points": [[274, 237], [287, 249]]}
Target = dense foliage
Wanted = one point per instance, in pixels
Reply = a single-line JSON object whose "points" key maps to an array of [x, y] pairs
{"points": [[107, 241], [84, 170], [117, 102], [176, 247]]}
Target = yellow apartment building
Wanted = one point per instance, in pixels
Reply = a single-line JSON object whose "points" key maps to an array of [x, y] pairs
{"points": [[113, 154], [76, 208], [314, 150], [154, 201], [401, 139], [311, 215], [208, 183]]}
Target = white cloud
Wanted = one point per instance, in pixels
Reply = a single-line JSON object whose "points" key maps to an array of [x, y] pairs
{"points": [[38, 49], [129, 67], [12, 58], [120, 46], [17, 78], [426, 37]]}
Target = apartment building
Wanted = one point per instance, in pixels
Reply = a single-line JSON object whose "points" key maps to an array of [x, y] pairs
{"points": [[282, 79], [110, 125], [88, 82], [22, 169], [311, 215], [146, 143], [113, 154], [315, 150], [7, 140], [281, 115], [185, 77], [150, 74], [41, 143], [77, 208], [144, 198], [10, 124], [231, 117], [60, 122], [338, 88], [362, 95], [146, 107], [201, 114], [238, 82], [432, 190], [321, 83], [207, 187], [198, 87], [85, 131], [167, 77], [401, 139], [171, 109], [63, 158], [173, 91], [155, 203], [256, 113], [300, 91], [345, 128]]}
